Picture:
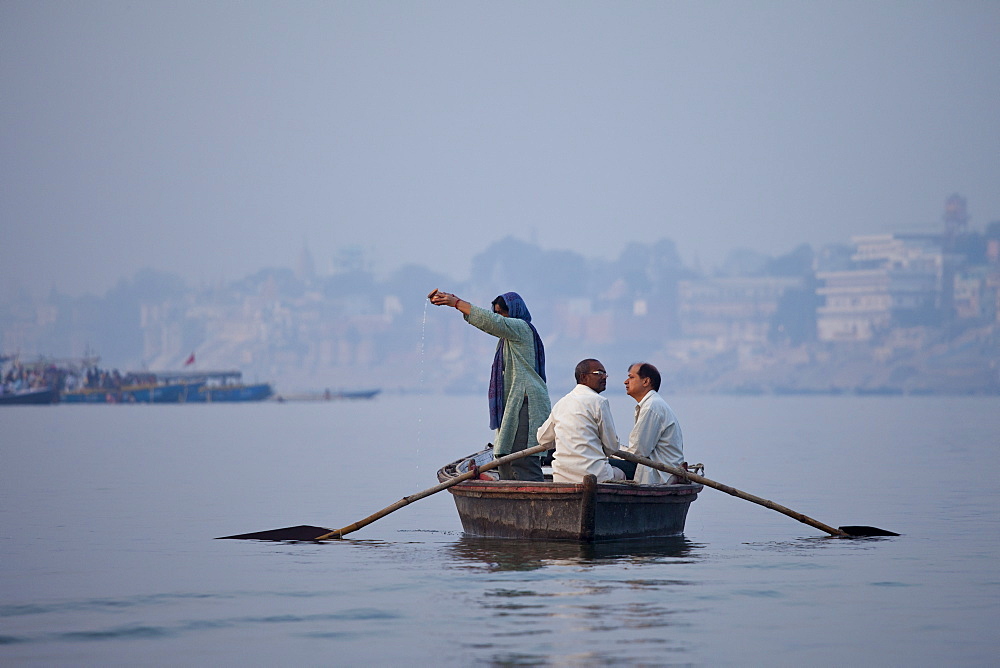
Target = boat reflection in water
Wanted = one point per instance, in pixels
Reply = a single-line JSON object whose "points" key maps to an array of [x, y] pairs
{"points": [[501, 554]]}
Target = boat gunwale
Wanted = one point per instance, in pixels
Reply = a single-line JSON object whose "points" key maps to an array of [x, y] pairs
{"points": [[504, 487], [500, 488]]}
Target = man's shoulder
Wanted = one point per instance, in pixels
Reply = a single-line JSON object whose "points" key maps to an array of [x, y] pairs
{"points": [[581, 394], [654, 398], [653, 403], [587, 394], [569, 397], [662, 404]]}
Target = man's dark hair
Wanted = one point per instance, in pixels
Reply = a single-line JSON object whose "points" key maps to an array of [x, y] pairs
{"points": [[583, 368], [647, 370]]}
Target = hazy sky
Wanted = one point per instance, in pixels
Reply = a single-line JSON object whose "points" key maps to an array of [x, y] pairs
{"points": [[215, 138]]}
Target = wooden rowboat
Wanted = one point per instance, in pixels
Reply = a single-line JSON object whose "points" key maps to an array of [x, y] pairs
{"points": [[585, 511]]}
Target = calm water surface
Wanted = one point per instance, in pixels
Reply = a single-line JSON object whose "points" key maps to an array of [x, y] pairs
{"points": [[108, 513]]}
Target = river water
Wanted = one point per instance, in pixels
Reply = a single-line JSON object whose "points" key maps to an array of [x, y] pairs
{"points": [[108, 514]]}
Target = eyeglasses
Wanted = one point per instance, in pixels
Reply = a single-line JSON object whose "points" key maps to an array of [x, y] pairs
{"points": [[599, 373]]}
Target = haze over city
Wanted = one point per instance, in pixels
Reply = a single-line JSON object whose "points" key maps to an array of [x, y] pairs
{"points": [[213, 138]]}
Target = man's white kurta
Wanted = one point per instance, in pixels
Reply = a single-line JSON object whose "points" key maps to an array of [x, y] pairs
{"points": [[657, 436], [581, 426]]}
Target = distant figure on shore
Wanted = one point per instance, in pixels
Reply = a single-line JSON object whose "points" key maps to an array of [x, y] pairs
{"points": [[518, 396], [582, 428]]}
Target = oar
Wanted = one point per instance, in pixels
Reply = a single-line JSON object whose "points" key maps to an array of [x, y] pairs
{"points": [[306, 532], [842, 532]]}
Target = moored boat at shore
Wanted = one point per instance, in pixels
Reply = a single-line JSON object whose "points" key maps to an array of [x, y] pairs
{"points": [[229, 393], [328, 395], [33, 396], [81, 381], [217, 386], [351, 394], [587, 511], [29, 382]]}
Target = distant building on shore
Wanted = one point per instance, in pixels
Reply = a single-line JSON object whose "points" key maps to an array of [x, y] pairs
{"points": [[736, 309], [897, 282]]}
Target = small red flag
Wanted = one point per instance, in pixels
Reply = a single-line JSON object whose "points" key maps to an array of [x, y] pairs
{"points": [[190, 360]]}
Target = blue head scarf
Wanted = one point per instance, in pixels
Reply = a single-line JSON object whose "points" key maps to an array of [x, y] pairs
{"points": [[516, 308]]}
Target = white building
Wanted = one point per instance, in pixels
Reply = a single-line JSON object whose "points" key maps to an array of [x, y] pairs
{"points": [[731, 309], [897, 281]]}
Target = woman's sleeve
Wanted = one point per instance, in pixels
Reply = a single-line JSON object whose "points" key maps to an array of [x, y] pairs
{"points": [[496, 324]]}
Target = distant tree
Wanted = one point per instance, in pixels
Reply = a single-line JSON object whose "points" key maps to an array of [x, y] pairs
{"points": [[798, 262], [412, 282], [110, 325], [972, 247], [650, 269], [744, 262], [514, 265], [835, 257], [352, 292], [794, 321]]}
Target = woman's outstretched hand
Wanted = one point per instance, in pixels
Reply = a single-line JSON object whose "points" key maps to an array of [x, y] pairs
{"points": [[439, 298]]}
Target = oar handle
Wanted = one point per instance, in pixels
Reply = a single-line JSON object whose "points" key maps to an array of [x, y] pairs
{"points": [[702, 480], [406, 500]]}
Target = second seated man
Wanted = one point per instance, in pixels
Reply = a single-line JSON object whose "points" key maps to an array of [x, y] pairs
{"points": [[656, 434], [581, 426]]}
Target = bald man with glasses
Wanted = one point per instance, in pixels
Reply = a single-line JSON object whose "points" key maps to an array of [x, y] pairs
{"points": [[582, 429]]}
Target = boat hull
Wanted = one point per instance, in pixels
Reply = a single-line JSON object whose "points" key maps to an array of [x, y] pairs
{"points": [[89, 396], [230, 393], [133, 394], [585, 511], [29, 397], [173, 393]]}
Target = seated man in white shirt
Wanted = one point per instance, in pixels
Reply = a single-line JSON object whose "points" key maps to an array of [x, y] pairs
{"points": [[656, 434], [580, 424]]}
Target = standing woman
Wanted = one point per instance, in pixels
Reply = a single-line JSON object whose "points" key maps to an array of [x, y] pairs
{"points": [[519, 398]]}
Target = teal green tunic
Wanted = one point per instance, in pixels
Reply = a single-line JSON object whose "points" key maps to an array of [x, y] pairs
{"points": [[519, 376]]}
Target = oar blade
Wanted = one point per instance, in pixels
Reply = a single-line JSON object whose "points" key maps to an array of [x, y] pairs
{"points": [[866, 531], [302, 532]]}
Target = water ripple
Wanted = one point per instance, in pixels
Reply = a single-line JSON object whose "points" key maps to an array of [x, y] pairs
{"points": [[93, 604], [146, 631]]}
